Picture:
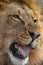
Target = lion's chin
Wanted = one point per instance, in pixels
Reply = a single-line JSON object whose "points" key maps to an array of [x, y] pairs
{"points": [[17, 61], [19, 53]]}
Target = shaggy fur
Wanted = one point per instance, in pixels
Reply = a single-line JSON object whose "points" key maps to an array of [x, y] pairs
{"points": [[36, 55]]}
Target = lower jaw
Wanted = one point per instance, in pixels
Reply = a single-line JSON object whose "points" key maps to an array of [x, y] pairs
{"points": [[20, 51], [18, 61], [20, 56]]}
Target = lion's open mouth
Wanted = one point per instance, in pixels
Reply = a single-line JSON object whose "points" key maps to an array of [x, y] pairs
{"points": [[20, 51]]}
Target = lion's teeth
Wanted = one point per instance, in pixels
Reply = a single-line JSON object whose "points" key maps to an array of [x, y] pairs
{"points": [[34, 44], [39, 41]]}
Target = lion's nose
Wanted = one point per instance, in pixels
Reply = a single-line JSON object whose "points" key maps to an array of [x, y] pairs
{"points": [[34, 35]]}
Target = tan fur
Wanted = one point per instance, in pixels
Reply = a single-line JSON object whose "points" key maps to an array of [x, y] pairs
{"points": [[36, 55]]}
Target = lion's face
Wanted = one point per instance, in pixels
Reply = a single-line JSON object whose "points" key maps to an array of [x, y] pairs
{"points": [[20, 32]]}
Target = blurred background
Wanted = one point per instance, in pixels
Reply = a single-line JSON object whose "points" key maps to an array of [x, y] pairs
{"points": [[40, 2]]}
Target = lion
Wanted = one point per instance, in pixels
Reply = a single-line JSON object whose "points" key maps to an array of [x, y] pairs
{"points": [[21, 33]]}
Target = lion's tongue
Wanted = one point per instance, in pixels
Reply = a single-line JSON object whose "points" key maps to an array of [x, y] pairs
{"points": [[24, 50]]}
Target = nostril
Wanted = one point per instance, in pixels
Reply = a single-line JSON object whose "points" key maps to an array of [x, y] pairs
{"points": [[31, 34], [34, 35], [37, 35]]}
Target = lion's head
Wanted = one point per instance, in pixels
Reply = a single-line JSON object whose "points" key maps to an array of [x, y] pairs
{"points": [[20, 35]]}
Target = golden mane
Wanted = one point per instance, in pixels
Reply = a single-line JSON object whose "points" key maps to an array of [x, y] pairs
{"points": [[31, 3]]}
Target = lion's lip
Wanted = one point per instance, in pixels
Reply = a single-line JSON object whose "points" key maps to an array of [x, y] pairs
{"points": [[20, 51]]}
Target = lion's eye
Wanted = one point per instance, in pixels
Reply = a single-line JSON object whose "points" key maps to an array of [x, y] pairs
{"points": [[35, 21], [15, 16], [18, 17], [15, 20]]}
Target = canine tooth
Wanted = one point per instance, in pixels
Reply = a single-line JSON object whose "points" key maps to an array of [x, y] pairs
{"points": [[39, 41], [34, 44]]}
